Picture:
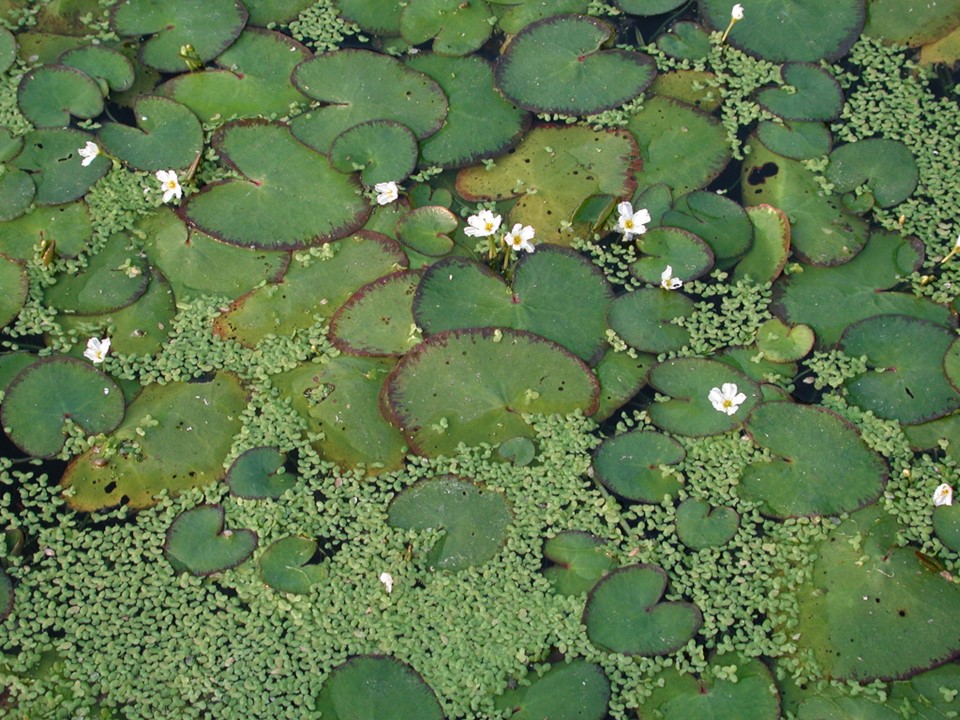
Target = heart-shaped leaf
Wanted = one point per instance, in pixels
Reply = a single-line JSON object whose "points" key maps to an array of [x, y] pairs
{"points": [[796, 140], [886, 167], [633, 465], [382, 150], [380, 17], [765, 259], [283, 565], [169, 136], [718, 221], [372, 687], [622, 375], [685, 41], [700, 525], [198, 542], [110, 68], [16, 192], [816, 94], [781, 343], [575, 690], [52, 158], [688, 256], [425, 230], [49, 95], [258, 473], [66, 226], [579, 561]]}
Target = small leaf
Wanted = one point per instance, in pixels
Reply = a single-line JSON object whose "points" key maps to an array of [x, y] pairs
{"points": [[283, 565], [580, 560], [631, 465], [197, 541], [258, 473]]}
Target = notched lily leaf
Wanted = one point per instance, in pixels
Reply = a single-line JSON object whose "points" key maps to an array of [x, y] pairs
{"points": [[198, 542]]}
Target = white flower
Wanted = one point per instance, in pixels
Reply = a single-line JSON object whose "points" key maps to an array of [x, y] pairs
{"points": [[387, 580], [89, 153], [631, 223], [169, 184], [387, 192], [668, 281], [953, 251], [519, 238], [97, 349], [943, 495], [482, 224], [727, 399], [736, 13]]}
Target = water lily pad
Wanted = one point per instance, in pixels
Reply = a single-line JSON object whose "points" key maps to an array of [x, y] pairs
{"points": [[688, 256], [114, 278], [822, 233], [685, 41], [209, 27], [747, 693], [946, 525], [830, 299], [168, 136], [515, 18], [16, 193], [198, 542], [649, 7], [781, 343], [43, 395], [8, 49], [679, 145], [426, 230], [264, 13], [796, 140], [382, 150], [258, 473], [52, 159], [624, 614], [309, 291], [252, 78], [701, 525], [187, 430], [456, 28], [886, 167], [556, 293], [380, 17], [576, 690], [905, 380], [373, 687], [15, 283], [284, 565], [66, 226], [273, 207], [694, 87], [49, 95], [378, 318], [110, 68], [782, 32], [809, 444], [579, 561], [720, 222], [622, 375], [816, 94], [916, 24], [474, 386], [474, 520], [635, 465], [555, 65], [552, 171], [931, 694], [689, 411], [339, 399], [646, 319], [871, 610], [765, 259], [359, 85], [480, 123], [519, 450]]}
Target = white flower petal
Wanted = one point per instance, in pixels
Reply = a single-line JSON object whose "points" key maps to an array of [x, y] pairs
{"points": [[737, 12], [943, 495], [387, 580]]}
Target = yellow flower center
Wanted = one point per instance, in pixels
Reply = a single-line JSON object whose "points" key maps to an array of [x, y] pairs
{"points": [[628, 224], [727, 402]]}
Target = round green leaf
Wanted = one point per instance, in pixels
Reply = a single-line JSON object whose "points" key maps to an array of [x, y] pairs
{"points": [[784, 30], [379, 17], [905, 380], [169, 136], [275, 12], [359, 85], [43, 395], [426, 230], [474, 521], [374, 687], [575, 690], [689, 411], [474, 386], [700, 525], [622, 375], [579, 561], [15, 283], [556, 293], [273, 206], [679, 145], [555, 65], [378, 318], [649, 7], [688, 256], [283, 565], [258, 473], [54, 163], [16, 192], [685, 41], [816, 94], [795, 140], [624, 614], [694, 87], [886, 167], [456, 27], [383, 151], [67, 227], [634, 465], [781, 343], [721, 223], [209, 27], [109, 67], [913, 25], [197, 541], [516, 17], [50, 94], [8, 50]]}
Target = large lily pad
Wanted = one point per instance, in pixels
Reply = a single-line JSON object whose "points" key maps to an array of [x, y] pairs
{"points": [[810, 446], [796, 139], [816, 94], [373, 687], [636, 465], [624, 614], [51, 94], [579, 561], [208, 26], [198, 542], [556, 294], [273, 207], [52, 159], [916, 24], [285, 565], [886, 167], [552, 171], [821, 231], [43, 395], [186, 432], [576, 690], [359, 85], [555, 65], [474, 386], [455, 27], [253, 78], [474, 520], [378, 318], [15, 283], [167, 136], [645, 319], [906, 379], [66, 226], [765, 259]]}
